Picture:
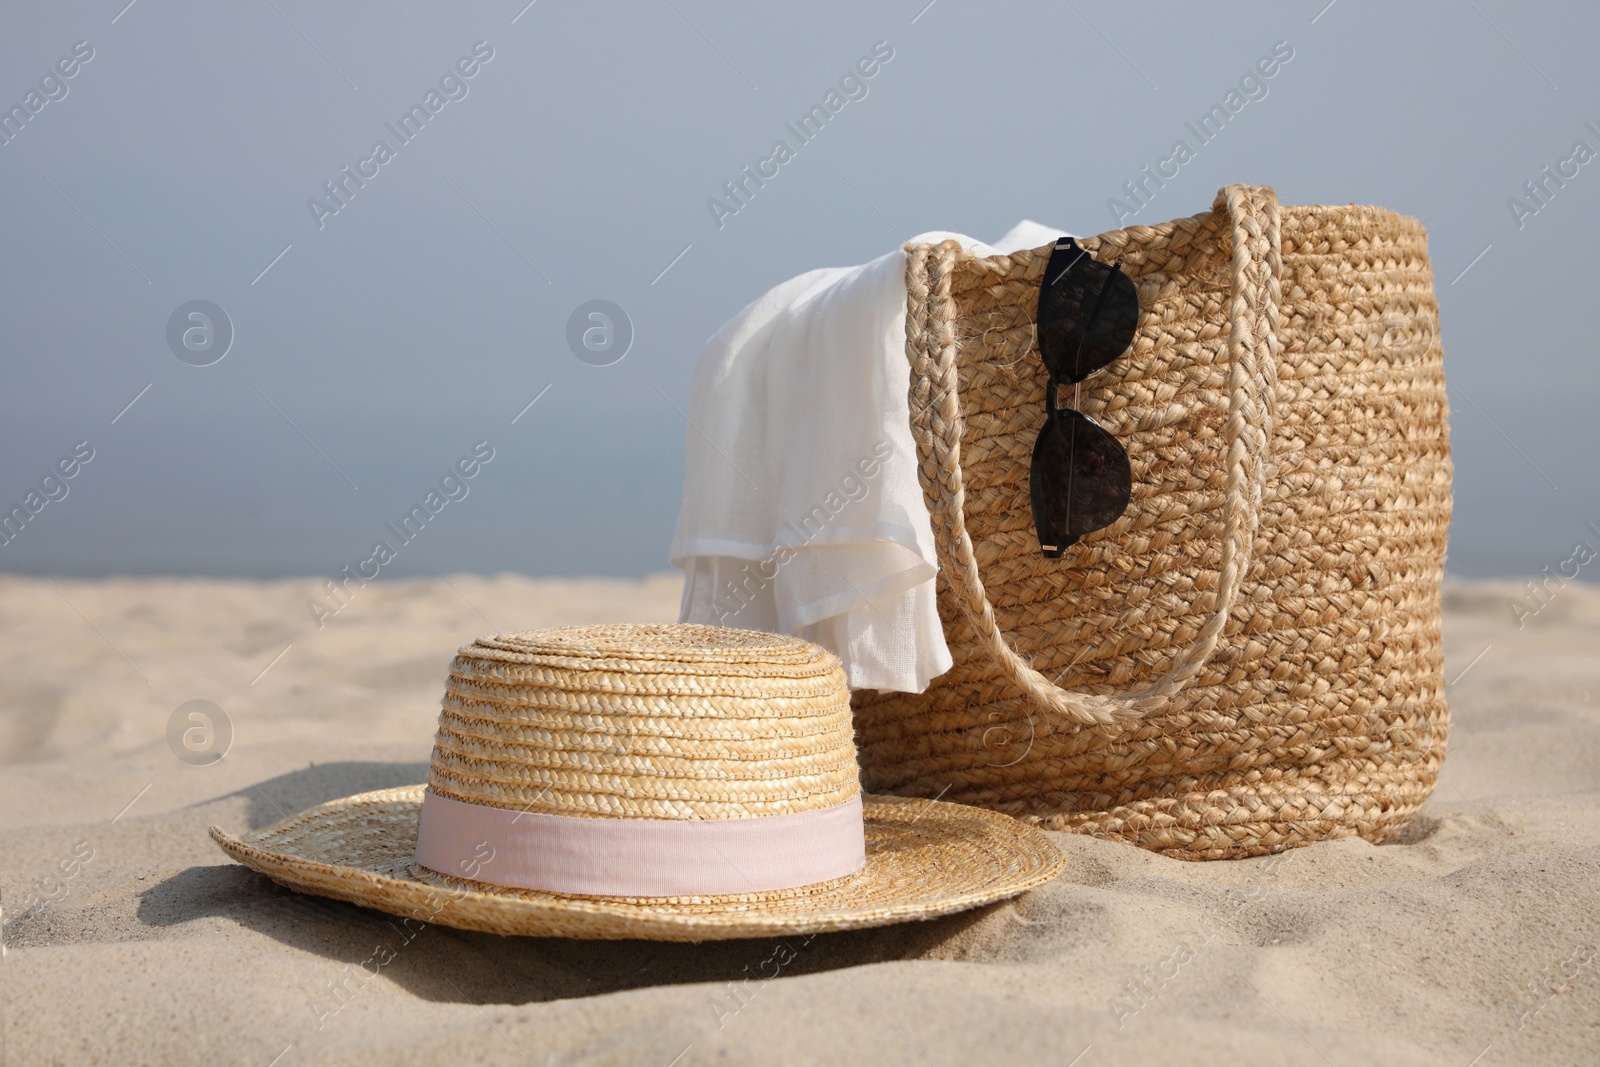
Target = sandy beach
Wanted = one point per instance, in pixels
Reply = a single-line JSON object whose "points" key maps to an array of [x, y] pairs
{"points": [[130, 938]]}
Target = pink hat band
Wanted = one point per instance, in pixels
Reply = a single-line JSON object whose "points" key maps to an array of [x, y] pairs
{"points": [[639, 857]]}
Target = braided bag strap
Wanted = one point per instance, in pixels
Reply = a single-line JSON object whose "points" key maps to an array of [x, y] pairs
{"points": [[937, 426]]}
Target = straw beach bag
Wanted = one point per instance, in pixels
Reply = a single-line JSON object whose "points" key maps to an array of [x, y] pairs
{"points": [[1249, 658]]}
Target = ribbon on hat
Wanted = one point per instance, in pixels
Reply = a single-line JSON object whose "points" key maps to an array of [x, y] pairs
{"points": [[639, 857]]}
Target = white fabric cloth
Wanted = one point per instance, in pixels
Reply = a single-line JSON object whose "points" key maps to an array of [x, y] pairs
{"points": [[802, 512]]}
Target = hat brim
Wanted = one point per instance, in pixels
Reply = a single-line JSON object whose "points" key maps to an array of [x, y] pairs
{"points": [[925, 858]]}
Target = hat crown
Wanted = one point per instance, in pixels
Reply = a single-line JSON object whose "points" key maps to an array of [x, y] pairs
{"points": [[646, 722]]}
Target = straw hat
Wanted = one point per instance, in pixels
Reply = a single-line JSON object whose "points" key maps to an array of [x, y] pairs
{"points": [[677, 783]]}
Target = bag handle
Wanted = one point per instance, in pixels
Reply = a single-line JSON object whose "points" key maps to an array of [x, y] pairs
{"points": [[1253, 345]]}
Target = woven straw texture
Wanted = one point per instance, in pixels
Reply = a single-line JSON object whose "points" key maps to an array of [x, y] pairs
{"points": [[646, 722], [650, 722], [1249, 659], [924, 859]]}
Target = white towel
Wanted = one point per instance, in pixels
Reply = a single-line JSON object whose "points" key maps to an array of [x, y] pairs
{"points": [[802, 513]]}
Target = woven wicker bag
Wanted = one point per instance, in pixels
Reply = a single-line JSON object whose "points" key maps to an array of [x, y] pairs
{"points": [[1249, 659]]}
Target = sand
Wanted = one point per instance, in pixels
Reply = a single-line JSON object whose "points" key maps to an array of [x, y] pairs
{"points": [[130, 938]]}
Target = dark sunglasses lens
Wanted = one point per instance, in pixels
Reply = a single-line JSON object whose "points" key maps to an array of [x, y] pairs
{"points": [[1081, 480], [1088, 313]]}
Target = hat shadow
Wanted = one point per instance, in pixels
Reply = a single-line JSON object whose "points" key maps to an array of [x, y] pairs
{"points": [[443, 964]]}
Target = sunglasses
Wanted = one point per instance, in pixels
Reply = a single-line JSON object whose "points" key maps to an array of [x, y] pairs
{"points": [[1080, 479]]}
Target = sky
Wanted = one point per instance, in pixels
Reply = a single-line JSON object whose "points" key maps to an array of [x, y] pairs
{"points": [[355, 349]]}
